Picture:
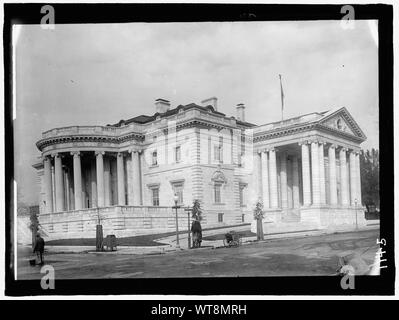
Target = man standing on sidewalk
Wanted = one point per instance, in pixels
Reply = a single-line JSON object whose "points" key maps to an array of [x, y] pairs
{"points": [[39, 248]]}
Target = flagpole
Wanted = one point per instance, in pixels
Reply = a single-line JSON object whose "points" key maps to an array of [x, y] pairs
{"points": [[282, 99]]}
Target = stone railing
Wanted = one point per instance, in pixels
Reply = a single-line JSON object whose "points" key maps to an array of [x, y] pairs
{"points": [[92, 130]]}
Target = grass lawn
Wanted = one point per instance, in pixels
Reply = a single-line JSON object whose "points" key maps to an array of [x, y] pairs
{"points": [[220, 236]]}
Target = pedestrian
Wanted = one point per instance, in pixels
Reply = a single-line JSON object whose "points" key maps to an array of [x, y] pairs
{"points": [[39, 248], [196, 230]]}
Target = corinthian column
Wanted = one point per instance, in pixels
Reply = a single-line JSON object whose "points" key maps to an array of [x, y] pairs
{"points": [[273, 178], [77, 180], [59, 183], [136, 178], [307, 199], [265, 180], [322, 175], [344, 177], [121, 179], [315, 173], [353, 178], [48, 185], [107, 181], [358, 182], [295, 182], [332, 175], [283, 177], [100, 178]]}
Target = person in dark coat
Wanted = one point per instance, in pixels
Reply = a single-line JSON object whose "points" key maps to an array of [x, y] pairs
{"points": [[39, 248], [196, 230]]}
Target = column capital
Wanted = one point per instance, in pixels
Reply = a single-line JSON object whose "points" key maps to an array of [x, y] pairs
{"points": [[56, 155], [303, 143], [120, 154], [139, 151], [315, 141], [322, 142], [75, 153], [99, 152], [333, 146], [343, 149]]}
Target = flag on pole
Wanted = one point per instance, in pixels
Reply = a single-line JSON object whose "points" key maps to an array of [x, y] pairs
{"points": [[282, 98]]}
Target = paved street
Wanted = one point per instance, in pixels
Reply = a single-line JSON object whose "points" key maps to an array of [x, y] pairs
{"points": [[314, 255]]}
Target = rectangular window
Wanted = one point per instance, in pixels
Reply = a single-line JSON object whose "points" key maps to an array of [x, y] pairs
{"points": [[216, 153], [217, 190], [177, 154], [155, 197], [220, 217], [178, 189], [154, 158]]}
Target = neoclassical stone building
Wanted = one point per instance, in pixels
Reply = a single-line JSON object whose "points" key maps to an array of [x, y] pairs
{"points": [[305, 170]]}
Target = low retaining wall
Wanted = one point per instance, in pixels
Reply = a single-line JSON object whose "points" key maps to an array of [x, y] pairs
{"points": [[125, 221]]}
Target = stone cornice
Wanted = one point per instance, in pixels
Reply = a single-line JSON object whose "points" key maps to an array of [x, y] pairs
{"points": [[281, 132], [88, 138]]}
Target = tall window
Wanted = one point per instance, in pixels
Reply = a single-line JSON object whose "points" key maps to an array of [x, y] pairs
{"points": [[217, 191], [216, 152], [155, 196], [177, 154], [155, 158]]}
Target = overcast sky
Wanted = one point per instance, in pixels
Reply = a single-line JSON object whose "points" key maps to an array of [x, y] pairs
{"points": [[98, 74]]}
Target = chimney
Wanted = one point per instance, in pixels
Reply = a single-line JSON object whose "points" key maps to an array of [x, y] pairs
{"points": [[240, 112], [162, 105], [211, 101]]}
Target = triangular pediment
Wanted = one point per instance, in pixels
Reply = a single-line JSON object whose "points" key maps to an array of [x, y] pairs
{"points": [[341, 121]]}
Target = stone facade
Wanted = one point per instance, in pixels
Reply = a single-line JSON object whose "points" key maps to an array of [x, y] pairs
{"points": [[305, 170]]}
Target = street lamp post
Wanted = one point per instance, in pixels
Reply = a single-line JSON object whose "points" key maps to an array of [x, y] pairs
{"points": [[176, 199]]}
